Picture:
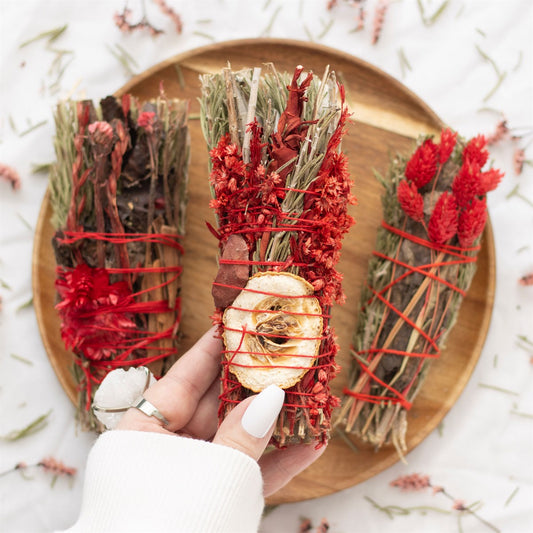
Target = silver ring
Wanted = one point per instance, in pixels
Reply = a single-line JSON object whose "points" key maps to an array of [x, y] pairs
{"points": [[149, 409], [125, 407]]}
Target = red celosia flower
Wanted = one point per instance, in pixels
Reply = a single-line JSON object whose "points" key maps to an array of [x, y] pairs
{"points": [[442, 224], [146, 121], [471, 222], [466, 184], [448, 139], [411, 200], [475, 151], [423, 164], [94, 316], [489, 180]]}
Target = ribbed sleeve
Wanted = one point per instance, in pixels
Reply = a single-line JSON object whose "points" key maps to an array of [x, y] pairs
{"points": [[139, 481]]}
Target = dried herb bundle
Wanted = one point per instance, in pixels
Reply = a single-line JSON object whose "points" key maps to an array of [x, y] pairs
{"points": [[280, 189], [118, 192], [434, 209]]}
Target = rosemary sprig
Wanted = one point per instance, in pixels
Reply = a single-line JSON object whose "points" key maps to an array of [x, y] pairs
{"points": [[33, 427], [22, 359], [499, 389], [50, 36]]}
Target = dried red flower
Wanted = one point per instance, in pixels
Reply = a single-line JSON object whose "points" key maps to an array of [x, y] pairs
{"points": [[519, 158], [466, 184], [167, 10], [411, 201], [101, 136], [49, 464], [411, 482], [379, 19], [448, 140], [475, 151], [93, 311], [489, 180], [10, 175], [423, 164], [291, 129], [442, 224], [471, 222], [146, 121], [501, 131], [526, 280]]}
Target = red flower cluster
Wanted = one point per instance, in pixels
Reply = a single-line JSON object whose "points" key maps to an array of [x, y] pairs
{"points": [[94, 319], [247, 198], [461, 211]]}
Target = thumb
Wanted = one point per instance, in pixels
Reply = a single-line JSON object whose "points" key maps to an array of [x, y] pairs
{"points": [[249, 426]]}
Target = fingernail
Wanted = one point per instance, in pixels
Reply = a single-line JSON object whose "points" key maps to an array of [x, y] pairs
{"points": [[263, 411]]}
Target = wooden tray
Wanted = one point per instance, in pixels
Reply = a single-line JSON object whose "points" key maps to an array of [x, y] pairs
{"points": [[388, 117]]}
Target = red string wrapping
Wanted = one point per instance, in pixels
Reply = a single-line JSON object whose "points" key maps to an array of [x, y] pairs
{"points": [[431, 345], [259, 204], [104, 323]]}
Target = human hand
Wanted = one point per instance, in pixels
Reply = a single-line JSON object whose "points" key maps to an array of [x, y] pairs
{"points": [[187, 396]]}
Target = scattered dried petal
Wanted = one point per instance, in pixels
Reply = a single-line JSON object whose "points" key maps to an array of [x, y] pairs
{"points": [[501, 132], [379, 18], [411, 482], [11, 175], [167, 10], [519, 158], [56, 467], [527, 279]]}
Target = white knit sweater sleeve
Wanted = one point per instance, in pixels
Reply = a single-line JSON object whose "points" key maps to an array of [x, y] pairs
{"points": [[138, 481]]}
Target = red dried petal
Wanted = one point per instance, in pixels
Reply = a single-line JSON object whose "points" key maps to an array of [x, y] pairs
{"points": [[442, 224], [411, 201], [466, 185], [448, 139], [489, 180], [422, 166], [475, 151], [471, 222]]}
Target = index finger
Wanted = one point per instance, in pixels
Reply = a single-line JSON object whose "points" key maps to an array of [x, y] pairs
{"points": [[177, 393]]}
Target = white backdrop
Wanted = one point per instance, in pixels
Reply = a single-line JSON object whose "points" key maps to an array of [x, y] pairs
{"points": [[484, 451]]}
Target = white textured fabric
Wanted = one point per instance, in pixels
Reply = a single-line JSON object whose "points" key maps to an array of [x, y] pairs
{"points": [[139, 482]]}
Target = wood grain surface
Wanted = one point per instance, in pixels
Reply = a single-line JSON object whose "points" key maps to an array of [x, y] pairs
{"points": [[387, 118]]}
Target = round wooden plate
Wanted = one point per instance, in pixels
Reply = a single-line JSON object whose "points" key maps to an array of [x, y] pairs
{"points": [[387, 119]]}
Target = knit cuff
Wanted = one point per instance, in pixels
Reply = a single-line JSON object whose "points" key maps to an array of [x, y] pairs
{"points": [[141, 481]]}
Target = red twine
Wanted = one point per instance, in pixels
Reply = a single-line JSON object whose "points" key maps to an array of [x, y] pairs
{"points": [[98, 318], [399, 397]]}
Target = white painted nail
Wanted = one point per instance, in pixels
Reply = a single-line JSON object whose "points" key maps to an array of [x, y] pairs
{"points": [[263, 411]]}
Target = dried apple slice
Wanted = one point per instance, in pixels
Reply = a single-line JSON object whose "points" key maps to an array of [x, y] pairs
{"points": [[273, 331]]}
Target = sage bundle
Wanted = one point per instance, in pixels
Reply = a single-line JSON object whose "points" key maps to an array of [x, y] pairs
{"points": [[118, 193], [434, 213], [280, 192]]}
